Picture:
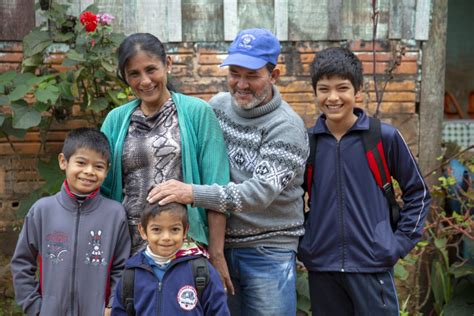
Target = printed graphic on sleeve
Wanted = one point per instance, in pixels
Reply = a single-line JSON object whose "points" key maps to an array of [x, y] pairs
{"points": [[95, 256], [57, 246]]}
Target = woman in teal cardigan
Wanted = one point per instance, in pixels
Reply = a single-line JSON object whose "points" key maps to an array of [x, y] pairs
{"points": [[163, 135]]}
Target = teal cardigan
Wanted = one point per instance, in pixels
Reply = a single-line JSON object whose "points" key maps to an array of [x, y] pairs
{"points": [[203, 150]]}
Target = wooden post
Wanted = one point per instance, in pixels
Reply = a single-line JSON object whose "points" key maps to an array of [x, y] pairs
{"points": [[432, 89]]}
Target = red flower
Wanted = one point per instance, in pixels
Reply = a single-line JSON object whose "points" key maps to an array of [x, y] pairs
{"points": [[89, 20]]}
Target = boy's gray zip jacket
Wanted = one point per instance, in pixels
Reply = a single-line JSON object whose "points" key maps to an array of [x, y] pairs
{"points": [[348, 226], [70, 255]]}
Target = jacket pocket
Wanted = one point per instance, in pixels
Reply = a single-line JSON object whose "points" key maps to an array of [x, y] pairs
{"points": [[384, 245]]}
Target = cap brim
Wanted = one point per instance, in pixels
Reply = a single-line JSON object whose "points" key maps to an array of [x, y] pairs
{"points": [[244, 61]]}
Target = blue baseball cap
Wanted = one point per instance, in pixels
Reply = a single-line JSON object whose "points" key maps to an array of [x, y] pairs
{"points": [[253, 49]]}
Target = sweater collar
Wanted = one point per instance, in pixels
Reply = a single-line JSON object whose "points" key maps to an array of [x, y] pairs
{"points": [[70, 202], [274, 103]]}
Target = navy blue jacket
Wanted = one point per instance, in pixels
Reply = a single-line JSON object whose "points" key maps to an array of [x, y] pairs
{"points": [[175, 294], [348, 227]]}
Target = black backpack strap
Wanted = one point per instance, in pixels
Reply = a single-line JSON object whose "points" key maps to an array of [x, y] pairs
{"points": [[201, 275], [127, 297], [374, 152], [309, 170]]}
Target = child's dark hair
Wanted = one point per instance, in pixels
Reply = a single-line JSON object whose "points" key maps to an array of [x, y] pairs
{"points": [[86, 138], [337, 62], [152, 210], [135, 43]]}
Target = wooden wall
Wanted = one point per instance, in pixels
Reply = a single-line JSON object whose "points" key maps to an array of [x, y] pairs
{"points": [[220, 20]]}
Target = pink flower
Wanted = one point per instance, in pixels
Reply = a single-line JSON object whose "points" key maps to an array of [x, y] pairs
{"points": [[105, 18]]}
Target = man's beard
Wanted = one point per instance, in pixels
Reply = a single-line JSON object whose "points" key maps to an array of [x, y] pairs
{"points": [[256, 100]]}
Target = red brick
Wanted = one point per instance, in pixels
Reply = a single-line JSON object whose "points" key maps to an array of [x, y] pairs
{"points": [[288, 85], [182, 71], [11, 46], [406, 85], [360, 45], [379, 67], [306, 58], [407, 68], [379, 56], [212, 71], [211, 59], [2, 180], [396, 96], [393, 107], [4, 67], [206, 97], [298, 97], [55, 58], [11, 57], [20, 148], [183, 59]]}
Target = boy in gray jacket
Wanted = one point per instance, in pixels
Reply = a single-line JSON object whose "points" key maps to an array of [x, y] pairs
{"points": [[73, 245]]}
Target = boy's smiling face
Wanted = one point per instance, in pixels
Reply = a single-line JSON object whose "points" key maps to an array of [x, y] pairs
{"points": [[336, 98], [164, 232], [85, 171]]}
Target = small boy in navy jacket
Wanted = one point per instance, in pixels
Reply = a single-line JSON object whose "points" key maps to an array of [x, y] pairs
{"points": [[349, 247], [164, 282]]}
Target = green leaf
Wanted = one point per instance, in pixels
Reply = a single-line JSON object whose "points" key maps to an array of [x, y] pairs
{"points": [[41, 107], [4, 100], [33, 61], [107, 66], [7, 77], [69, 62], [8, 129], [460, 271], [49, 94], [24, 116], [2, 119], [74, 55], [440, 243], [121, 96], [99, 104], [35, 42], [19, 92], [400, 272], [53, 176], [24, 78]]}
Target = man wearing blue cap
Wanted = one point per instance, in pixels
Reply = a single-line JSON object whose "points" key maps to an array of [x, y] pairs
{"points": [[267, 147]]}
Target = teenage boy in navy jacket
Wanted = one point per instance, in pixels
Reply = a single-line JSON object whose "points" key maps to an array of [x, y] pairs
{"points": [[349, 247], [164, 283]]}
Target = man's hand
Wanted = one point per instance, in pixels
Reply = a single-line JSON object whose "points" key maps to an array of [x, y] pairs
{"points": [[171, 191], [218, 261]]}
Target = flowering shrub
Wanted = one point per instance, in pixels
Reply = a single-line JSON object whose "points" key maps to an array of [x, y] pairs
{"points": [[88, 77]]}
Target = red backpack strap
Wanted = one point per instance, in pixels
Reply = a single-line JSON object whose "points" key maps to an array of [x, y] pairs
{"points": [[309, 170], [374, 152]]}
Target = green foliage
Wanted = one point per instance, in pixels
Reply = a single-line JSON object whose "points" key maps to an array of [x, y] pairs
{"points": [[302, 291], [89, 80], [40, 95]]}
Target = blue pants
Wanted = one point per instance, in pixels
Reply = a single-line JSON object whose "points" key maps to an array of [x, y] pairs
{"points": [[264, 279], [337, 293]]}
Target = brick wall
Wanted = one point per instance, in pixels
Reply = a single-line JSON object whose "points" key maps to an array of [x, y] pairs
{"points": [[196, 72]]}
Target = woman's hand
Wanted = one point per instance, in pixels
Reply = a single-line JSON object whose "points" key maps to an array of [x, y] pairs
{"points": [[171, 191]]}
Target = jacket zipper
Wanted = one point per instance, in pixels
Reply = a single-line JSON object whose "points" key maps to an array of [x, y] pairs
{"points": [[74, 254], [160, 306], [341, 201]]}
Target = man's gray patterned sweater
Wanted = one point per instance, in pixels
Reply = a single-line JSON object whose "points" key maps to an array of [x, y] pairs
{"points": [[267, 148]]}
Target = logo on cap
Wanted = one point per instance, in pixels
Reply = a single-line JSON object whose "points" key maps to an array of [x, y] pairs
{"points": [[246, 40]]}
